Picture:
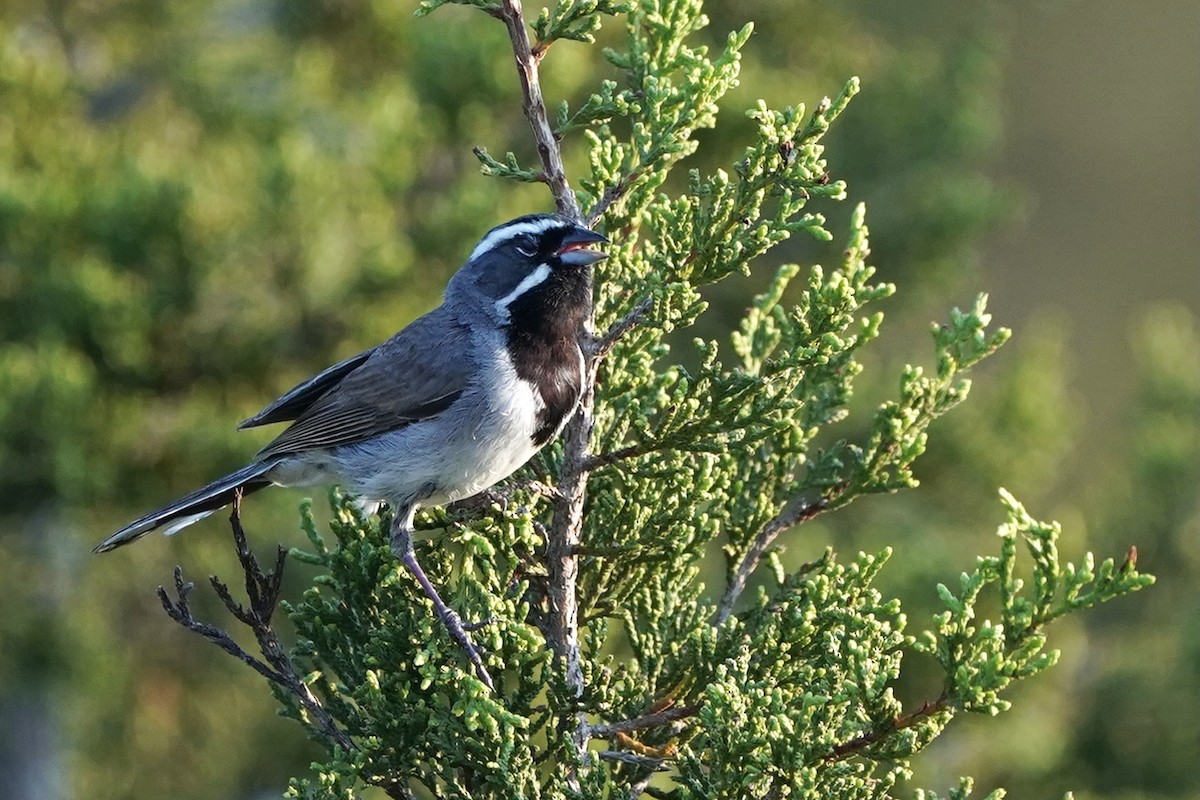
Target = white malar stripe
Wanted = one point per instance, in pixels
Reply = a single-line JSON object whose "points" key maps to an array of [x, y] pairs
{"points": [[533, 228], [531, 280]]}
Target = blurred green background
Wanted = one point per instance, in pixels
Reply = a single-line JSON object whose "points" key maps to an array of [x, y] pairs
{"points": [[203, 202]]}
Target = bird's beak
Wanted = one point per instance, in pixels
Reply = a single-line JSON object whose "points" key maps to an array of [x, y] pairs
{"points": [[574, 250]]}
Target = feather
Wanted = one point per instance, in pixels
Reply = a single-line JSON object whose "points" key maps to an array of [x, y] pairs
{"points": [[400, 382], [296, 401]]}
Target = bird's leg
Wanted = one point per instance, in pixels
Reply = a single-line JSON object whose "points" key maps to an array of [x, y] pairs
{"points": [[402, 546]]}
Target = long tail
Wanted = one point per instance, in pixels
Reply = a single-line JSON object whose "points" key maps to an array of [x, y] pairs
{"points": [[195, 506]]}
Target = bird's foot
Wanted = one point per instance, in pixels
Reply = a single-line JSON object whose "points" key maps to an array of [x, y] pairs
{"points": [[402, 546], [458, 632], [471, 627], [454, 624], [483, 501]]}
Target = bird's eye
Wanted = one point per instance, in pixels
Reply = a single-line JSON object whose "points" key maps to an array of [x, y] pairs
{"points": [[526, 246]]}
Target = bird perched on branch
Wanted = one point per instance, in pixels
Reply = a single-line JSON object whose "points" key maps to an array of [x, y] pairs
{"points": [[447, 407]]}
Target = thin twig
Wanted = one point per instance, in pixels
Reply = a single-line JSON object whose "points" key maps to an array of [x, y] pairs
{"points": [[535, 109], [180, 611], [614, 456], [602, 345], [262, 591], [794, 514], [645, 762], [562, 560], [611, 195], [865, 740], [611, 729], [546, 490]]}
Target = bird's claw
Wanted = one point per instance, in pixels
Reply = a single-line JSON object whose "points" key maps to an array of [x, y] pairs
{"points": [[471, 627], [403, 548], [483, 501], [458, 632]]}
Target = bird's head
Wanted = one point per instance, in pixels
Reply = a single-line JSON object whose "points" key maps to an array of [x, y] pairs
{"points": [[537, 258]]}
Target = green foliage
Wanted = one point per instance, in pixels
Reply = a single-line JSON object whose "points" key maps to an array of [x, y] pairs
{"points": [[414, 715], [576, 20], [983, 658], [793, 695], [203, 202], [796, 677], [963, 791]]}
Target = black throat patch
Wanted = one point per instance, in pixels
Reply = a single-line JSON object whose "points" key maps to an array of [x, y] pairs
{"points": [[543, 341]]}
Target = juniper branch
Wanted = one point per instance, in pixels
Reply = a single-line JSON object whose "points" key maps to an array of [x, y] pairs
{"points": [[534, 105], [612, 194], [562, 623], [603, 344], [795, 513], [615, 456], [863, 741], [640, 723]]}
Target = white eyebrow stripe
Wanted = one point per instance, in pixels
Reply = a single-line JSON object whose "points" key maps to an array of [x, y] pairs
{"points": [[501, 234], [531, 280]]}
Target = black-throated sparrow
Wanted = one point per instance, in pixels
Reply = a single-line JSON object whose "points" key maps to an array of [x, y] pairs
{"points": [[447, 407]]}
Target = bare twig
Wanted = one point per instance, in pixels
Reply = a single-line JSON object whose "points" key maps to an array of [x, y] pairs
{"points": [[562, 559], [794, 514], [639, 787], [611, 195], [180, 611], [603, 344], [640, 723], [614, 456], [646, 762], [865, 740], [262, 591], [549, 153]]}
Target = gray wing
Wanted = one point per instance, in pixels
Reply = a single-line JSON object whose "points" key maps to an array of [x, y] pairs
{"points": [[298, 400], [416, 374]]}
